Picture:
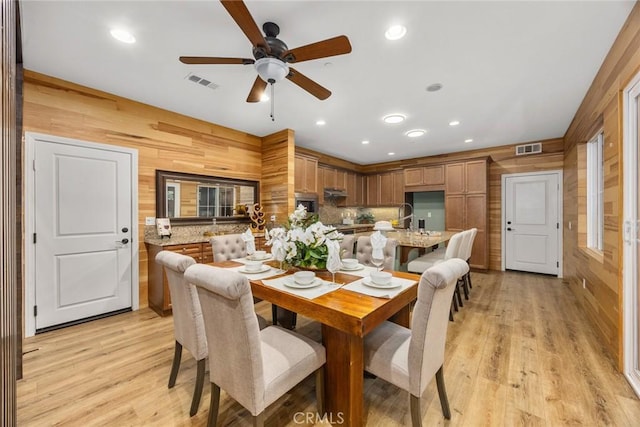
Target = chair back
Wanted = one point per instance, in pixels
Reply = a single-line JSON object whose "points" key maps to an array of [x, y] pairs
{"points": [[228, 246], [364, 250], [429, 321], [467, 244], [456, 242], [233, 334], [188, 324], [346, 245]]}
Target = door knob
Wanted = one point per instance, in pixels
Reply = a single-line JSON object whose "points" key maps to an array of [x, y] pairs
{"points": [[508, 222], [125, 229], [125, 241], [508, 228]]}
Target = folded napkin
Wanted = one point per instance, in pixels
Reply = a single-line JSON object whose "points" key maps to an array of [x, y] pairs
{"points": [[333, 258], [249, 241], [378, 242]]}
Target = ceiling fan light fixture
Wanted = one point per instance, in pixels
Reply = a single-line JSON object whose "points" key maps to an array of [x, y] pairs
{"points": [[271, 70]]}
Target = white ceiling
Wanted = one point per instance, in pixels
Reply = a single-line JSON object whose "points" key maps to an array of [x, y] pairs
{"points": [[512, 71]]}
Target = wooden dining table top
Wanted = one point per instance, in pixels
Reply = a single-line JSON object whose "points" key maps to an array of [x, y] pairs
{"points": [[345, 310]]}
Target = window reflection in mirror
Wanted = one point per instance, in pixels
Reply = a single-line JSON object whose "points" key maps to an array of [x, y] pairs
{"points": [[198, 198]]}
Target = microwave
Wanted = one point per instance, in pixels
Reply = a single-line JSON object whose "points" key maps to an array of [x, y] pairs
{"points": [[308, 200]]}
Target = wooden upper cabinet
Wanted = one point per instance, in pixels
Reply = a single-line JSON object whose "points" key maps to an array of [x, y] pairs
{"points": [[424, 176], [455, 178], [373, 190], [306, 174], [476, 176], [398, 188]]}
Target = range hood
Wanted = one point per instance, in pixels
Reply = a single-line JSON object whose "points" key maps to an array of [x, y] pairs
{"points": [[334, 193]]}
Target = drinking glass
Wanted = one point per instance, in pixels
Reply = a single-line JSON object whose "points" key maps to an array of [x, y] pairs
{"points": [[377, 262], [333, 273]]}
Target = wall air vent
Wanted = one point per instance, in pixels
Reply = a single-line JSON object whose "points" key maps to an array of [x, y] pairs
{"points": [[525, 149], [201, 81]]}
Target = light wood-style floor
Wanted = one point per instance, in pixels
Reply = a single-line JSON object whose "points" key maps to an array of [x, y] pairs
{"points": [[520, 352]]}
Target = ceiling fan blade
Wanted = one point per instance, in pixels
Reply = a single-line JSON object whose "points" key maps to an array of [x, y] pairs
{"points": [[214, 60], [331, 47], [257, 90], [309, 85], [239, 12]]}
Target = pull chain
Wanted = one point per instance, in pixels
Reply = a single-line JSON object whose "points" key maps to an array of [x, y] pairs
{"points": [[273, 119]]}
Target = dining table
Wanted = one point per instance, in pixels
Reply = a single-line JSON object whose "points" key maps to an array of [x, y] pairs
{"points": [[347, 311]]}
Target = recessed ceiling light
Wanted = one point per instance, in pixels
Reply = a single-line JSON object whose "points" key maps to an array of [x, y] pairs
{"points": [[264, 97], [454, 123], [395, 32], [414, 133], [321, 122], [123, 35], [434, 87], [391, 153], [468, 140], [394, 118], [365, 142]]}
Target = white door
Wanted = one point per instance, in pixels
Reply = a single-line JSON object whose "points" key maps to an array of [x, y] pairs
{"points": [[83, 231], [631, 290], [531, 223]]}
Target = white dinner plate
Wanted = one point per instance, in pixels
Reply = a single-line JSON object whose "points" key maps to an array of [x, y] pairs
{"points": [[358, 267], [262, 258], [261, 270], [291, 283], [390, 285]]}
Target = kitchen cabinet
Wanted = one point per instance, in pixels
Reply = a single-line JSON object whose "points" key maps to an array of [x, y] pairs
{"points": [[428, 178], [306, 174], [466, 204], [385, 189], [158, 293]]}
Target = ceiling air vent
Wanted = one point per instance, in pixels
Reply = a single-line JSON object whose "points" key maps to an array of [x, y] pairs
{"points": [[201, 81], [534, 148]]}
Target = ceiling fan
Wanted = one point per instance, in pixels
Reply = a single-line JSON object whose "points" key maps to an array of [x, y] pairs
{"points": [[272, 56]]}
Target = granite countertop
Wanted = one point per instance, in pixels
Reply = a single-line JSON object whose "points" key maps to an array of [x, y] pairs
{"points": [[182, 240]]}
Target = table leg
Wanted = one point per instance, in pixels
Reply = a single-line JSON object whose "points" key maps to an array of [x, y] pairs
{"points": [[344, 381]]}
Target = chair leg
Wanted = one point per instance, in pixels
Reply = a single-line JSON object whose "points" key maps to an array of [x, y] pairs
{"points": [[468, 277], [416, 415], [442, 393], [454, 301], [177, 356], [457, 294], [197, 391], [450, 314], [463, 284], [214, 405], [258, 420], [294, 319]]}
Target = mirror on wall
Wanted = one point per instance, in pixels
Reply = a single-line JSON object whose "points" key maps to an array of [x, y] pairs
{"points": [[191, 198]]}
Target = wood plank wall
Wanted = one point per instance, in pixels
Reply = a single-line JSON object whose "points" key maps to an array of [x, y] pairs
{"points": [[276, 190], [8, 278], [164, 140], [502, 161], [602, 297]]}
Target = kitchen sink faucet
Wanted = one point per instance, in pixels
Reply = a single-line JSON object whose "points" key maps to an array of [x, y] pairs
{"points": [[401, 219]]}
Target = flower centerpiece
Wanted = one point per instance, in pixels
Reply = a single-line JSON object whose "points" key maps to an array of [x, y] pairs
{"points": [[304, 242]]}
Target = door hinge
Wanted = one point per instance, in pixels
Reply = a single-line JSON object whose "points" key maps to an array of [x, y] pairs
{"points": [[35, 310], [558, 264], [34, 238]]}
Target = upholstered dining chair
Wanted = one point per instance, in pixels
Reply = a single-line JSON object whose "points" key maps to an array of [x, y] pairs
{"points": [[409, 358], [346, 245], [255, 367], [231, 246], [228, 246], [364, 250], [188, 326]]}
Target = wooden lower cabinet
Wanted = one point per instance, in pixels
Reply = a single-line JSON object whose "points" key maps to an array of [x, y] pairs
{"points": [[158, 294]]}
